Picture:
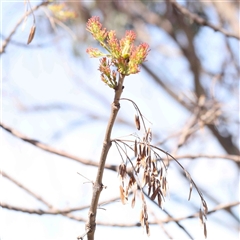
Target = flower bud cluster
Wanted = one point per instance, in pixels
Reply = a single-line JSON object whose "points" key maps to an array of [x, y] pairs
{"points": [[122, 54]]}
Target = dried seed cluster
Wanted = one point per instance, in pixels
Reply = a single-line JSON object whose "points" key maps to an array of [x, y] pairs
{"points": [[153, 177], [148, 166]]}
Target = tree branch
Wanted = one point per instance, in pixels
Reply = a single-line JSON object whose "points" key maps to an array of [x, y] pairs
{"points": [[234, 158], [39, 198], [53, 150], [201, 21], [217, 208], [98, 186], [167, 220]]}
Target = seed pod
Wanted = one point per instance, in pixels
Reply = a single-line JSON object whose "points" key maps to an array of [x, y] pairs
{"points": [[31, 34], [149, 135], [137, 122], [122, 195], [135, 148]]}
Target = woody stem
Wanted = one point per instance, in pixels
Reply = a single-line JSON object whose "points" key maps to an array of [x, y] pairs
{"points": [[98, 186]]}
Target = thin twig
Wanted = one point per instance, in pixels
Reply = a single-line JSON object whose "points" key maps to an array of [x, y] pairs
{"points": [[201, 21]]}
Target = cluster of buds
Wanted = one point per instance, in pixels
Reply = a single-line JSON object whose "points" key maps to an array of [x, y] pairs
{"points": [[122, 54]]}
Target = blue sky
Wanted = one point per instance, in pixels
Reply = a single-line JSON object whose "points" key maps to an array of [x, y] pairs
{"points": [[49, 76]]}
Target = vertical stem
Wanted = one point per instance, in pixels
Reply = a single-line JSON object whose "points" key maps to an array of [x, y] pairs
{"points": [[98, 186]]}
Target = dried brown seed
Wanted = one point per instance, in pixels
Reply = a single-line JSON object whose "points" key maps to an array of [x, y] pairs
{"points": [[159, 200], [154, 194], [122, 195], [142, 218], [144, 151], [122, 171], [135, 148], [205, 230], [133, 202], [149, 151], [140, 150], [149, 189], [137, 122], [155, 172], [149, 135], [201, 216], [31, 34], [143, 162], [153, 165], [147, 228], [134, 189], [164, 186], [142, 195]]}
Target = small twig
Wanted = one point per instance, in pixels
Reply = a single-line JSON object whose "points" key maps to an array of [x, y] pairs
{"points": [[85, 178], [201, 21], [83, 235]]}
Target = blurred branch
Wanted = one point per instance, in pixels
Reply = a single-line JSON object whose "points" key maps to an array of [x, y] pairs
{"points": [[167, 220], [26, 189], [170, 217], [226, 142], [61, 153], [32, 211], [52, 210], [39, 45], [40, 211], [50, 149], [217, 208], [160, 223], [7, 40], [234, 158], [201, 21]]}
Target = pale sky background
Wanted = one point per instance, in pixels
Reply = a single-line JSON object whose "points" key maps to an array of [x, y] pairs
{"points": [[36, 76]]}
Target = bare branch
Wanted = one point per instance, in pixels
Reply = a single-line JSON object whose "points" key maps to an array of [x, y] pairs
{"points": [[234, 158], [98, 186], [50, 149], [4, 174], [201, 21], [167, 220], [217, 208]]}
